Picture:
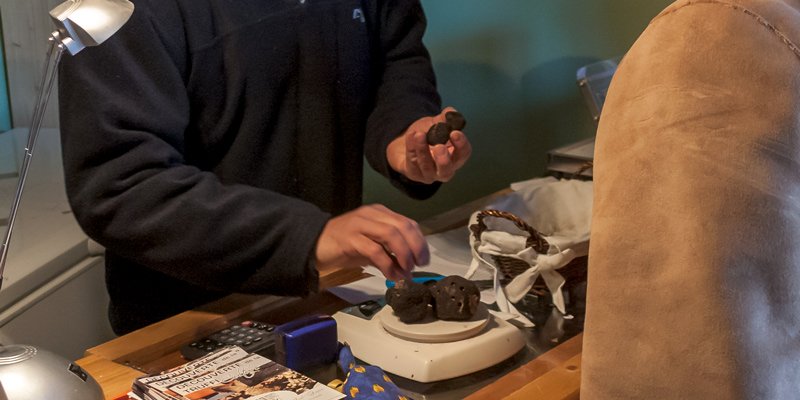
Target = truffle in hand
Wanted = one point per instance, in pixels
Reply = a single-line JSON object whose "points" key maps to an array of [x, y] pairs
{"points": [[409, 300], [455, 120], [455, 298], [439, 133]]}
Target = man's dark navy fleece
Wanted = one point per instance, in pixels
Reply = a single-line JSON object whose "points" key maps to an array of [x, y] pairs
{"points": [[208, 142]]}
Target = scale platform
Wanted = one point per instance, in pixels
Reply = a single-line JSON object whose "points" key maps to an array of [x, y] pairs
{"points": [[431, 350]]}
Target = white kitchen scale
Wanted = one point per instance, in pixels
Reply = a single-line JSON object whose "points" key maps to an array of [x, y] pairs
{"points": [[430, 350]]}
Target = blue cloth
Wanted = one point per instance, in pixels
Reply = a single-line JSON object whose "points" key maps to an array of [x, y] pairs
{"points": [[366, 382]]}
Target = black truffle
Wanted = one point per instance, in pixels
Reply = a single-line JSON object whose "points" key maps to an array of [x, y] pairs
{"points": [[455, 120], [409, 300], [439, 133], [455, 298]]}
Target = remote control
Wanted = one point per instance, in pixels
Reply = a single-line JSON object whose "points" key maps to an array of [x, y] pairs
{"points": [[253, 337]]}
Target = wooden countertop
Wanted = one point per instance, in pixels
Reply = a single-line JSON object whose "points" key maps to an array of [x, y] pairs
{"points": [[115, 364]]}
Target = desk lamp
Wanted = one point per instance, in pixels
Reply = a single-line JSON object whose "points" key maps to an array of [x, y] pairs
{"points": [[25, 371]]}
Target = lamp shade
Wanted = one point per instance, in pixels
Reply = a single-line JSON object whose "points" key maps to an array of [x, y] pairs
{"points": [[84, 23]]}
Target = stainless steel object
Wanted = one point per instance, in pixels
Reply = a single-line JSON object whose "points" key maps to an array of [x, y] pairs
{"points": [[28, 373], [25, 371]]}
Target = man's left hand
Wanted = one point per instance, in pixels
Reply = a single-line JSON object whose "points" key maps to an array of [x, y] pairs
{"points": [[410, 154]]}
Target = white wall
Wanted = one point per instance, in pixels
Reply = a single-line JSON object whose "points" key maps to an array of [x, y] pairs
{"points": [[53, 291], [65, 316]]}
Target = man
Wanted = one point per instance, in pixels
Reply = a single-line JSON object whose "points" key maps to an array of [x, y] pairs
{"points": [[215, 146]]}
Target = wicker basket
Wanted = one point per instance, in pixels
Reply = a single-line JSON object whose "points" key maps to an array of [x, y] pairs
{"points": [[574, 273]]}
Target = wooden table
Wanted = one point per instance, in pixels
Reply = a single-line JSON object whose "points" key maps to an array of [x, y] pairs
{"points": [[115, 364]]}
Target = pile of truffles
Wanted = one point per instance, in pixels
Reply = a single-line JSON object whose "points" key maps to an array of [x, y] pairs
{"points": [[439, 133], [453, 298]]}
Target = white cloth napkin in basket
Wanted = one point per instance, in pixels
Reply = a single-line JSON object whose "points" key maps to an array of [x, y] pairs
{"points": [[561, 211]]}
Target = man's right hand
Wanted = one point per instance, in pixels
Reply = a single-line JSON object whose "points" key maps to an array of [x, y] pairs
{"points": [[373, 235]]}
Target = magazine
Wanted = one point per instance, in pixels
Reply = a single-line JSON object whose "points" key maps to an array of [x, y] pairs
{"points": [[231, 373]]}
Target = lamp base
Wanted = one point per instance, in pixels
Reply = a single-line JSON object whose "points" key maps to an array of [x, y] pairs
{"points": [[28, 373]]}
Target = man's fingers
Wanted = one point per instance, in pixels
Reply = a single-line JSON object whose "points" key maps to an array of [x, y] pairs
{"points": [[400, 235], [421, 159], [376, 255], [462, 149], [444, 164], [373, 235]]}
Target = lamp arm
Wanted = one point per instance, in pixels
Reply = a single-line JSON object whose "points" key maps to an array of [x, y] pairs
{"points": [[54, 53], [27, 373]]}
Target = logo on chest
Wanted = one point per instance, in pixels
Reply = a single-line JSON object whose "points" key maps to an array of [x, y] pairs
{"points": [[358, 14]]}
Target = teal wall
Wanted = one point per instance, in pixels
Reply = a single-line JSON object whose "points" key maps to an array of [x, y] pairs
{"points": [[5, 109], [509, 66]]}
